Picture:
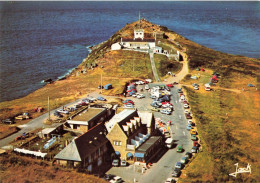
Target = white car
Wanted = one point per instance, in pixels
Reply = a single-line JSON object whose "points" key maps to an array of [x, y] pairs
{"points": [[149, 80], [186, 106], [139, 82], [134, 95], [186, 111], [146, 87], [168, 109], [140, 96], [164, 111], [63, 111], [167, 106], [196, 88], [128, 106]]}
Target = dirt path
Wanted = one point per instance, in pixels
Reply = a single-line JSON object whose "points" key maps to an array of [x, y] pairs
{"points": [[155, 74]]}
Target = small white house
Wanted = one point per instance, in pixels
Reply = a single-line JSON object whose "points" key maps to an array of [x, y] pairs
{"points": [[116, 46]]}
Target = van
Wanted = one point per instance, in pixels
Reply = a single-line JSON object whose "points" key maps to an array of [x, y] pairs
{"points": [[169, 142]]}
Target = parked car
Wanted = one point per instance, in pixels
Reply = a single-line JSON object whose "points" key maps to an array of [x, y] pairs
{"points": [[123, 163], [101, 98], [146, 87], [189, 127], [63, 111], [140, 96], [178, 165], [169, 85], [180, 90], [195, 85], [251, 85], [194, 137], [164, 111], [184, 160], [170, 180], [149, 80], [188, 155], [176, 172], [188, 116], [25, 115], [196, 88], [56, 113], [153, 97], [155, 109], [179, 148], [115, 162], [194, 149], [193, 132], [127, 101], [82, 103], [8, 121], [108, 176], [128, 106]]}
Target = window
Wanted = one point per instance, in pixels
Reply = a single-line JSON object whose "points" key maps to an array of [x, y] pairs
{"points": [[117, 143]]}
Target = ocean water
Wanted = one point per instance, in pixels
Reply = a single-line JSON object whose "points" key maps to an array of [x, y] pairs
{"points": [[40, 40]]}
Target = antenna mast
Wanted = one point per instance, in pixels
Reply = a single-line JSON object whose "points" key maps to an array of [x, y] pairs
{"points": [[139, 21]]}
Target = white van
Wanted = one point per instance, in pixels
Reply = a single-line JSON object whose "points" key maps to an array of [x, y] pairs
{"points": [[169, 142]]}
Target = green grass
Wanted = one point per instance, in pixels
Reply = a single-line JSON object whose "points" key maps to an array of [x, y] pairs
{"points": [[164, 65], [219, 136]]}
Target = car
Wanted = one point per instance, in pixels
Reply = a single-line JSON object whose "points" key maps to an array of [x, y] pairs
{"points": [[169, 85], [108, 176], [56, 113], [115, 162], [168, 109], [63, 111], [164, 111], [8, 121], [195, 85], [149, 80], [155, 109], [189, 127], [188, 155], [123, 163], [170, 180], [92, 98], [128, 106], [99, 87], [184, 160], [153, 97], [71, 109], [82, 103], [193, 132], [194, 149], [140, 96], [101, 98], [178, 165], [146, 87], [196, 88], [127, 101], [188, 116], [179, 90], [176, 172], [167, 106], [179, 148], [194, 137], [251, 85]]}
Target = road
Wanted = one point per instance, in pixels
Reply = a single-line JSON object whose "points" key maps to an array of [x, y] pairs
{"points": [[155, 74], [162, 169]]}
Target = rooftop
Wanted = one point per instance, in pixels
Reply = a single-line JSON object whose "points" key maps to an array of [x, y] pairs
{"points": [[87, 114], [146, 145]]}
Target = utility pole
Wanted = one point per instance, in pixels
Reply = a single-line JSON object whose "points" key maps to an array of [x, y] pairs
{"points": [[49, 107], [101, 83]]}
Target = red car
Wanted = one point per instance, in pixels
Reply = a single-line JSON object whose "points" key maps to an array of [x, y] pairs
{"points": [[130, 102], [163, 103], [169, 85]]}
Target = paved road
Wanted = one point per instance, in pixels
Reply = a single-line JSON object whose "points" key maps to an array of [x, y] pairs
{"points": [[155, 74], [162, 169]]}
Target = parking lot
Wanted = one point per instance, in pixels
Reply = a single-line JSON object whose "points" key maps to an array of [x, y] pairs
{"points": [[163, 168]]}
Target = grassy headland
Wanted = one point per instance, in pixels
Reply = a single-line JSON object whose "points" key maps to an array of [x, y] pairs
{"points": [[227, 118]]}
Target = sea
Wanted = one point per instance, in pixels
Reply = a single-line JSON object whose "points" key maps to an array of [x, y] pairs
{"points": [[41, 40]]}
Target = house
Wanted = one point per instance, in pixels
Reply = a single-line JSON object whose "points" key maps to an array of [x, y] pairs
{"points": [[116, 46], [87, 118], [149, 149], [87, 151], [127, 131], [55, 129]]}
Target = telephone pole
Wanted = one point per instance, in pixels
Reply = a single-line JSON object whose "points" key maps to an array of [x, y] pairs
{"points": [[49, 108]]}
